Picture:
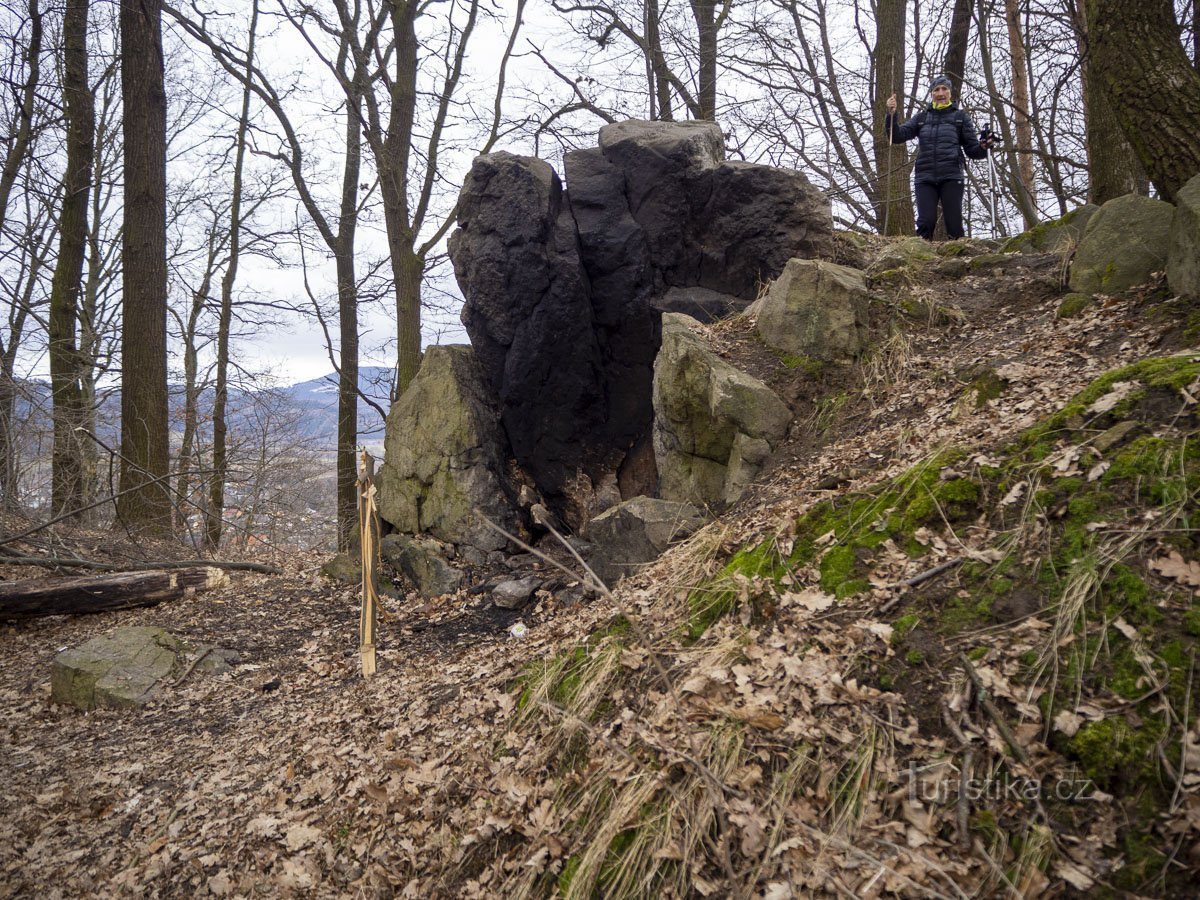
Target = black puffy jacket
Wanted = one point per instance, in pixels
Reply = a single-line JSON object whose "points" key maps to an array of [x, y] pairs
{"points": [[944, 136]]}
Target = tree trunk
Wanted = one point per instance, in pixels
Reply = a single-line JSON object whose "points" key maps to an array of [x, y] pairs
{"points": [[1113, 169], [707, 26], [68, 491], [1020, 100], [22, 129], [893, 204], [393, 183], [347, 288], [215, 512], [144, 436], [103, 593], [1153, 88], [957, 44], [660, 81]]}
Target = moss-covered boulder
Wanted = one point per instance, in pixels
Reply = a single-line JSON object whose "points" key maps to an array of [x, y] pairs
{"points": [[714, 425], [445, 455], [905, 253], [1123, 243], [816, 309], [1053, 236], [1183, 253], [126, 667]]}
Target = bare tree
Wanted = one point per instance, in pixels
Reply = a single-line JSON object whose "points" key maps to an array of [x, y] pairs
{"points": [[895, 211], [69, 487], [144, 503]]}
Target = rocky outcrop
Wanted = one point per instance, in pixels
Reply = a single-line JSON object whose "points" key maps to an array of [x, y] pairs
{"points": [[563, 288], [1124, 242], [127, 666], [1183, 253], [816, 309], [714, 426], [1054, 236], [636, 532], [446, 455]]}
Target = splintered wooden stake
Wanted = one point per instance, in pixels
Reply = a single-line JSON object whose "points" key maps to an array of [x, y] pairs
{"points": [[368, 528]]}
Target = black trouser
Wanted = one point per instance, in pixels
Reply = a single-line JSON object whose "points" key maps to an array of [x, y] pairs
{"points": [[950, 193]]}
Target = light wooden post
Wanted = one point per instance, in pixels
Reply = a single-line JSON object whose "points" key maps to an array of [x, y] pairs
{"points": [[368, 528]]}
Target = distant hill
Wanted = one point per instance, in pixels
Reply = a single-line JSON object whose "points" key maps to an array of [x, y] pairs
{"points": [[308, 406]]}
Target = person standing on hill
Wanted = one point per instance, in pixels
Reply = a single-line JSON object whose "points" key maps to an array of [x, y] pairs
{"points": [[945, 133]]}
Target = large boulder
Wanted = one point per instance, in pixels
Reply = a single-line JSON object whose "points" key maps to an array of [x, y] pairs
{"points": [[755, 220], [126, 667], [423, 562], [1124, 242], [1183, 253], [636, 532], [816, 309], [445, 455], [1054, 236], [714, 426]]}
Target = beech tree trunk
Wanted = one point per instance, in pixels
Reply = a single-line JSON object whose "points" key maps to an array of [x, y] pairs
{"points": [[1153, 88], [144, 504], [68, 489]]}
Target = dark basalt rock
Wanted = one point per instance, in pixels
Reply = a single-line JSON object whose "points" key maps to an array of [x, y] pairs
{"points": [[564, 289]]}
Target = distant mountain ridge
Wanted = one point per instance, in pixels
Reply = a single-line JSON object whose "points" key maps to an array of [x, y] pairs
{"points": [[311, 405]]}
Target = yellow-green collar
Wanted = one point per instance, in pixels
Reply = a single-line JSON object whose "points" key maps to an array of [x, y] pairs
{"points": [[941, 106]]}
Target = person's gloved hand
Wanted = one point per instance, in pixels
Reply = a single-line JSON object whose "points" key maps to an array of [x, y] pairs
{"points": [[987, 138]]}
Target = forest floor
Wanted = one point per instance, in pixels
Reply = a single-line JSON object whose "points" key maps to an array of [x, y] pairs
{"points": [[767, 711]]}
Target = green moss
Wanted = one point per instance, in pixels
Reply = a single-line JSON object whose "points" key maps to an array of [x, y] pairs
{"points": [[961, 614], [1109, 746], [1073, 304], [1191, 622], [977, 653], [806, 365], [709, 602], [903, 626], [567, 875], [986, 260], [987, 386], [914, 657], [886, 682], [1174, 372]]}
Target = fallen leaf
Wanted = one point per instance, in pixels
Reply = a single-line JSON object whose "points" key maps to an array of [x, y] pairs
{"points": [[1174, 566], [1116, 394], [300, 836]]}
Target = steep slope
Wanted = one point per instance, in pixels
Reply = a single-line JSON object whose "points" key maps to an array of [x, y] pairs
{"points": [[945, 648]]}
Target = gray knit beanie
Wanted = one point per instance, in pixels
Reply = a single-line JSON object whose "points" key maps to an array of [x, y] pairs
{"points": [[941, 81]]}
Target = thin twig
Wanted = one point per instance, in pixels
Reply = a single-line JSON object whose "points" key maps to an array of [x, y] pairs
{"points": [[59, 562], [989, 707]]}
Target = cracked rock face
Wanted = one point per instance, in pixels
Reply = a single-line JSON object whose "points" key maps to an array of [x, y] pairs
{"points": [[564, 287]]}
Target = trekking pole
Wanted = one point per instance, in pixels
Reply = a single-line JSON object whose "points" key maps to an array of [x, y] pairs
{"points": [[992, 179]]}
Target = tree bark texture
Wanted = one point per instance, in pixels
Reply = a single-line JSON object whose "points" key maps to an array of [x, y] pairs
{"points": [[144, 436], [1113, 169], [893, 167], [1136, 55], [68, 487], [347, 288], [103, 593]]}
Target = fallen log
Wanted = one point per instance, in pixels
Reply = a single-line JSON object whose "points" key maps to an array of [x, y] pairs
{"points": [[103, 593]]}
